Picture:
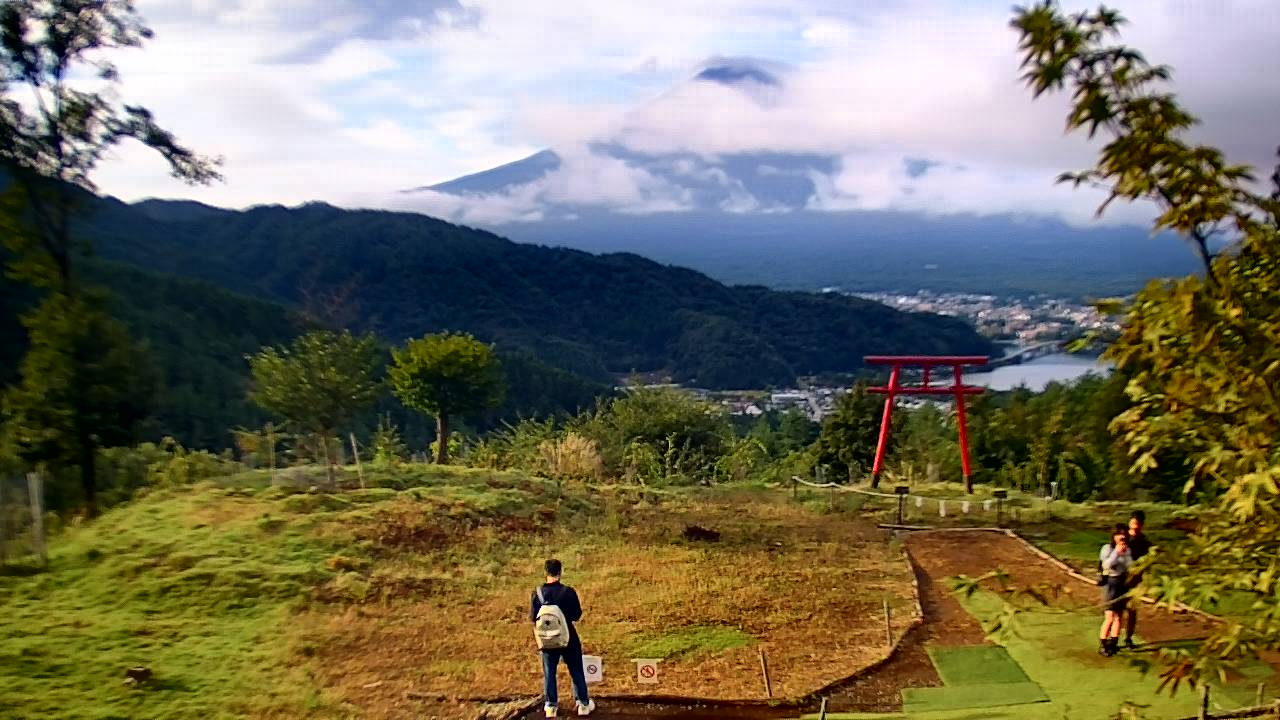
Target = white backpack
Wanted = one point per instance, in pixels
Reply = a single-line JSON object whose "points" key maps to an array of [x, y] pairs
{"points": [[550, 628]]}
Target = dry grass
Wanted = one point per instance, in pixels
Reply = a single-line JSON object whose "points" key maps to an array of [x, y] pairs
{"points": [[806, 588]]}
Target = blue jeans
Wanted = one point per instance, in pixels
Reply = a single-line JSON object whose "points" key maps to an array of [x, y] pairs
{"points": [[572, 657]]}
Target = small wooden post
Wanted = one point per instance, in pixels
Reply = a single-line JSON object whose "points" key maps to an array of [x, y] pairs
{"points": [[822, 713], [4, 523], [1204, 702], [355, 453], [888, 628], [35, 488], [269, 434], [764, 670], [795, 487], [1262, 693], [831, 498]]}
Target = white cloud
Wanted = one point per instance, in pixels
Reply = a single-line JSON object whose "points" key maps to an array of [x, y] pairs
{"points": [[348, 102]]}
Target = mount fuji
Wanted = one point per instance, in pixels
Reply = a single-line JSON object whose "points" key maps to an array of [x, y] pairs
{"points": [[783, 215]]}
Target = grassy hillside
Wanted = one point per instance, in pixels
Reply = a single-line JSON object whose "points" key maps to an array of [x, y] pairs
{"points": [[248, 600]]}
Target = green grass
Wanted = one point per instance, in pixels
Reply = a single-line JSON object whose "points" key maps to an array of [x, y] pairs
{"points": [[975, 665], [689, 642], [153, 584], [1057, 651], [917, 701], [200, 584]]}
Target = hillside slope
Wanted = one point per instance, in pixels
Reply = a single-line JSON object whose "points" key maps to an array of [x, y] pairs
{"points": [[404, 274]]}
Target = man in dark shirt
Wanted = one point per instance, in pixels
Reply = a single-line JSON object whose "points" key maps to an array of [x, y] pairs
{"points": [[1139, 546], [557, 593]]}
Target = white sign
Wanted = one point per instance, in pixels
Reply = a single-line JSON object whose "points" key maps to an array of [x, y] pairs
{"points": [[647, 671], [594, 668]]}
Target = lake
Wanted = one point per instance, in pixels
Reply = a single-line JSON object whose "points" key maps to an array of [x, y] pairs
{"points": [[1036, 374]]}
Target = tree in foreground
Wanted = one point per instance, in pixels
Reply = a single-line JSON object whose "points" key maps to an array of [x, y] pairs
{"points": [[56, 123], [1202, 353], [59, 115], [446, 375], [318, 383], [84, 386]]}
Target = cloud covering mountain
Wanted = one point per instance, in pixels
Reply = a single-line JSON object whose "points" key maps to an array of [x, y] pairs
{"points": [[349, 102]]}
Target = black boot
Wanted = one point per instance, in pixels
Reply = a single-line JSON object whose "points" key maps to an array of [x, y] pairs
{"points": [[1113, 646], [1102, 648]]}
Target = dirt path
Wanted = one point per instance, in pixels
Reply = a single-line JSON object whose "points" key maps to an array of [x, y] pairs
{"points": [[975, 553], [945, 623]]}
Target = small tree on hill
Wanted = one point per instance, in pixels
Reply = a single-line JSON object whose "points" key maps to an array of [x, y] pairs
{"points": [[318, 383], [847, 440], [446, 375]]}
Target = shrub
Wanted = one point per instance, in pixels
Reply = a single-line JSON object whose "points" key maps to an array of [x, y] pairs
{"points": [[572, 457]]}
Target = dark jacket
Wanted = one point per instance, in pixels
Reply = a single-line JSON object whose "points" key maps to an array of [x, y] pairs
{"points": [[566, 598], [1139, 546]]}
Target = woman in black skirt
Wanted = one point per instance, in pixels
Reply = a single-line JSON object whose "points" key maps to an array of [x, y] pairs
{"points": [[1115, 560]]}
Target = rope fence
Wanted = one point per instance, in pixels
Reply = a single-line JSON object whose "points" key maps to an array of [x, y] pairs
{"points": [[943, 507]]}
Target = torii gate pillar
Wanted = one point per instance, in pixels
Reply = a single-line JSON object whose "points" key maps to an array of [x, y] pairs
{"points": [[895, 388]]}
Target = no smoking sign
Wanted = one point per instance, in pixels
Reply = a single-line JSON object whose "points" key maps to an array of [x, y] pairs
{"points": [[647, 671], [593, 668]]}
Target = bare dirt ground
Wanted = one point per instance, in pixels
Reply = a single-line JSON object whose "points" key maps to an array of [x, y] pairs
{"points": [[805, 588]]}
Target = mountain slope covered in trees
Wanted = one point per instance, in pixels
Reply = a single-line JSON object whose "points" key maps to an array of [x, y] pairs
{"points": [[197, 336], [403, 275]]}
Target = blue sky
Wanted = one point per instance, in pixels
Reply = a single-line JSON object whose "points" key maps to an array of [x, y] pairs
{"points": [[348, 101]]}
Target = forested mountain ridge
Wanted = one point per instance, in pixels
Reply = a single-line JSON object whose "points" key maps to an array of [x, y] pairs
{"points": [[404, 274], [197, 336]]}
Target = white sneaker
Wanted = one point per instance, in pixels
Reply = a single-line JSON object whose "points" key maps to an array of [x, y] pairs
{"points": [[550, 710], [585, 710]]}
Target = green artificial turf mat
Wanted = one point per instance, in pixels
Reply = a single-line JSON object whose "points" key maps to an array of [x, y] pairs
{"points": [[958, 697], [975, 665], [1257, 671]]}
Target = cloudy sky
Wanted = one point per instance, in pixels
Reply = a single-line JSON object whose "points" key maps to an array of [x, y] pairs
{"points": [[348, 101]]}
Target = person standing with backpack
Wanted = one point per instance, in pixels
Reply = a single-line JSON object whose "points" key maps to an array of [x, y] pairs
{"points": [[553, 609]]}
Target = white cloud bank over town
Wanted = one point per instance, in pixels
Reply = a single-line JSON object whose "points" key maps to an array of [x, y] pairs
{"points": [[349, 101]]}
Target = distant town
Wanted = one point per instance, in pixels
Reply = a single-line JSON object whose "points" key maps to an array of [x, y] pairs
{"points": [[1038, 318], [1015, 322]]}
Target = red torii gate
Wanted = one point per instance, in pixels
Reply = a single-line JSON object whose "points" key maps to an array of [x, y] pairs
{"points": [[893, 389]]}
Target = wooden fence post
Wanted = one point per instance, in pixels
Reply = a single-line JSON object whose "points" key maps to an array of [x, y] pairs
{"points": [[1204, 702], [35, 489], [888, 628], [355, 452], [764, 670], [4, 522]]}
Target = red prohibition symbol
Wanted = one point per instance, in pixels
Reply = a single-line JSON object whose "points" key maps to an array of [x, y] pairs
{"points": [[647, 670], [592, 669]]}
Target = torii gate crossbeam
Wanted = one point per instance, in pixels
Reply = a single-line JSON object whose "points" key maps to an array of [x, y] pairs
{"points": [[894, 389]]}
